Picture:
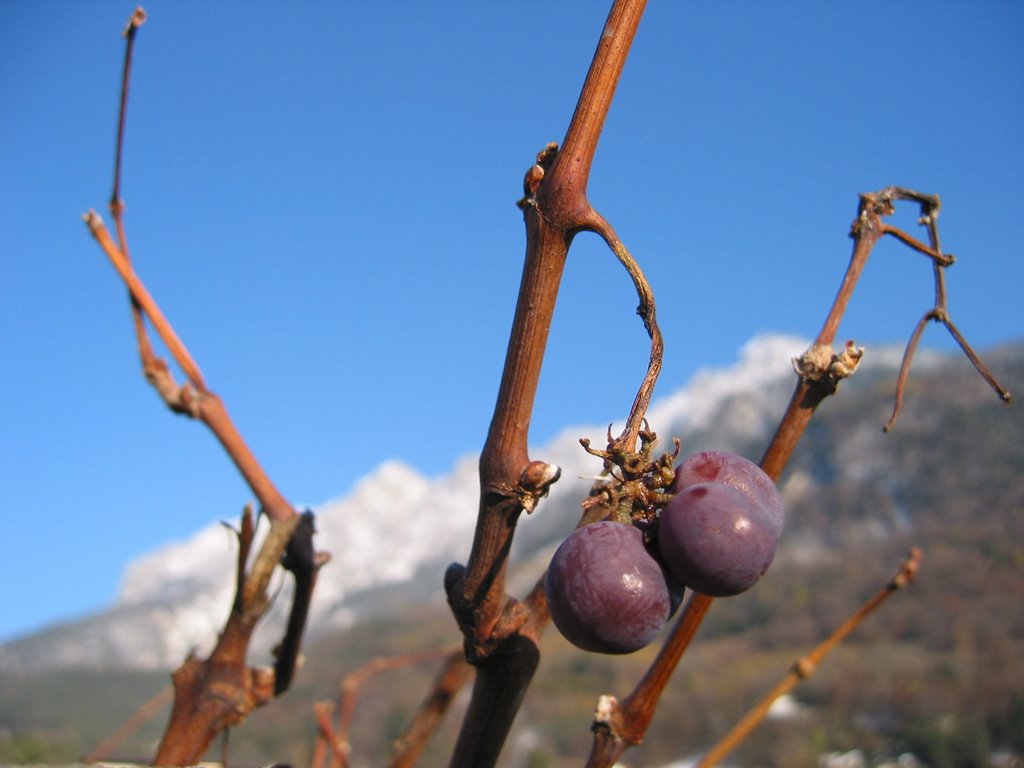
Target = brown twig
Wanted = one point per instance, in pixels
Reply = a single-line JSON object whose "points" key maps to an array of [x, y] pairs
{"points": [[185, 402], [150, 363], [336, 737], [327, 738], [453, 674], [939, 312], [138, 18], [351, 685], [647, 311], [145, 712], [806, 666]]}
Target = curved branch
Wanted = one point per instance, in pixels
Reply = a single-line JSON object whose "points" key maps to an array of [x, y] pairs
{"points": [[939, 312], [647, 311], [450, 678]]}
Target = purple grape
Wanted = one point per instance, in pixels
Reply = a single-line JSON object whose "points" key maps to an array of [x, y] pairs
{"points": [[736, 471], [605, 591], [716, 539]]}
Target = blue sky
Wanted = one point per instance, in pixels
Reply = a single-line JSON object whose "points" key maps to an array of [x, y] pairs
{"points": [[321, 198]]}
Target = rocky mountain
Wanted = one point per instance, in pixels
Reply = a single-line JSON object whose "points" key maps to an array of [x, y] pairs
{"points": [[934, 675], [393, 534]]}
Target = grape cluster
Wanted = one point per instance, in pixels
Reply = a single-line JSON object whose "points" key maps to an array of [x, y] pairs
{"points": [[611, 587]]}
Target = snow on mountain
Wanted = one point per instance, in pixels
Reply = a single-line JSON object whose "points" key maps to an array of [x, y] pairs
{"points": [[393, 524], [764, 362], [396, 529]]}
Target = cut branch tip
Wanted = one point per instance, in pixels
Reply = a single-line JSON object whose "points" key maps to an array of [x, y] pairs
{"points": [[908, 571], [607, 706], [92, 219], [137, 19]]}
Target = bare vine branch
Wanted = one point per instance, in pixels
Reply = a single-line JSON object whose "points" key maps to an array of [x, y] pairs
{"points": [[138, 18], [939, 313], [806, 666], [214, 694], [337, 737], [326, 738], [453, 674], [620, 725], [142, 715], [501, 638]]}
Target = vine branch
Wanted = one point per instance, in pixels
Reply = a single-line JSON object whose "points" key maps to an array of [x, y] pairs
{"points": [[807, 665], [211, 695], [939, 313], [501, 638]]}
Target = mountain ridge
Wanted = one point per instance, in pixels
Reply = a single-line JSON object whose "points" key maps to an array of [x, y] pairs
{"points": [[399, 528]]}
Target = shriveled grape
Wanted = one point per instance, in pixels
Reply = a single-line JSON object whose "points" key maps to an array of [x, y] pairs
{"points": [[736, 471], [716, 539], [605, 591]]}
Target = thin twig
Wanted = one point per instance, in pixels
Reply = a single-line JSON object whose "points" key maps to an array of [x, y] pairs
{"points": [[908, 356], [213, 694], [450, 679], [149, 306], [939, 311], [150, 363], [145, 712], [352, 684], [647, 310], [138, 18], [806, 666], [327, 737]]}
